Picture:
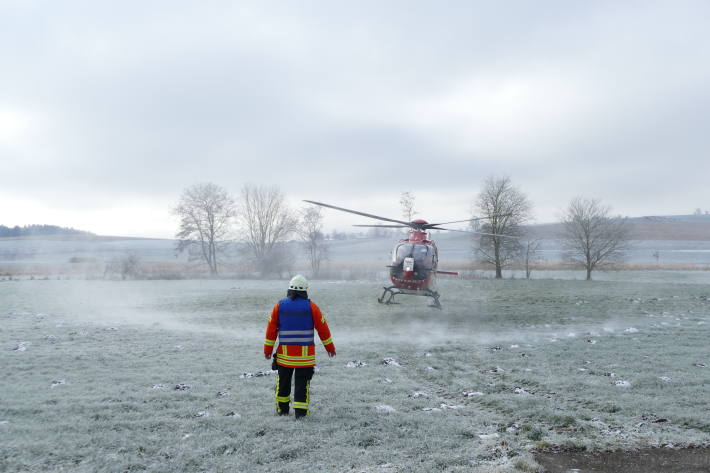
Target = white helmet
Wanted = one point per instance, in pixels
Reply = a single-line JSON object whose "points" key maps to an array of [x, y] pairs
{"points": [[298, 283]]}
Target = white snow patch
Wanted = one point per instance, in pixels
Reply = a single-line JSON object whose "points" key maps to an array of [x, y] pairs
{"points": [[22, 346], [445, 406], [418, 394], [384, 408], [390, 362], [472, 393], [58, 382], [429, 368], [622, 384], [515, 346], [157, 386], [488, 436], [666, 379], [355, 364], [202, 414], [631, 330], [519, 390], [258, 374], [186, 436], [428, 354]]}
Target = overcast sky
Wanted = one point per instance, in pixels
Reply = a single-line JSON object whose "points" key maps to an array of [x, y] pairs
{"points": [[108, 110]]}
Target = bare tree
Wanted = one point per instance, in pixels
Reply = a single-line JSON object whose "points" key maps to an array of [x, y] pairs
{"points": [[504, 209], [406, 201], [530, 254], [206, 213], [310, 230], [592, 238], [125, 267], [267, 221]]}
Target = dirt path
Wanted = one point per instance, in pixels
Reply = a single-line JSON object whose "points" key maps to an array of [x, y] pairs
{"points": [[657, 460]]}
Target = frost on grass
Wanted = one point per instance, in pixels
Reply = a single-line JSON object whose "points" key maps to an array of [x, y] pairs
{"points": [[355, 364], [488, 436], [519, 390], [182, 387], [622, 384], [222, 393], [58, 382], [158, 386], [233, 414], [472, 393], [666, 379], [202, 414], [258, 374], [631, 330]]}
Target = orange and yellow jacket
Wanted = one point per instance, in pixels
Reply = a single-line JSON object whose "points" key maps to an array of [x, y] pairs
{"points": [[301, 353]]}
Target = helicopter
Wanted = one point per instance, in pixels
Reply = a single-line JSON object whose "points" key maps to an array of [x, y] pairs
{"points": [[413, 269]]}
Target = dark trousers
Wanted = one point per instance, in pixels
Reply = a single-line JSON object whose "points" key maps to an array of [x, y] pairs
{"points": [[300, 393]]}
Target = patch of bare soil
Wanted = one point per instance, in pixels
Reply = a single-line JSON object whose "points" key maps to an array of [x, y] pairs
{"points": [[655, 460]]}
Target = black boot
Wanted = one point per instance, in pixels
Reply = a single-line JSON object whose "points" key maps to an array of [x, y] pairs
{"points": [[300, 413], [283, 408]]}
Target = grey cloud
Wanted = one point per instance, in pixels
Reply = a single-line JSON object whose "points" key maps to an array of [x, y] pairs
{"points": [[143, 99]]}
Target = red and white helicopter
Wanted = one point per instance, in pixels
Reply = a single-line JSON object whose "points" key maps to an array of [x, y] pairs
{"points": [[414, 259]]}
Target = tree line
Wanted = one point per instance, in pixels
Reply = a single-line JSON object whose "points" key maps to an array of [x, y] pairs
{"points": [[591, 236], [38, 230], [210, 219]]}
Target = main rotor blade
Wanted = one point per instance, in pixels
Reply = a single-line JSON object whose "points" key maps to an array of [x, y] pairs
{"points": [[469, 220], [475, 233], [377, 217], [383, 226]]}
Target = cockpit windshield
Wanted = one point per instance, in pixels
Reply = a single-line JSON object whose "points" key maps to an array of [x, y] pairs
{"points": [[423, 255]]}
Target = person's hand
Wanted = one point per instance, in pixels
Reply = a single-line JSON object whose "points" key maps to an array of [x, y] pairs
{"points": [[331, 354], [268, 357]]}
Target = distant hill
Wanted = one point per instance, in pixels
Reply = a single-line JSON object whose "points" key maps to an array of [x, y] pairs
{"points": [[39, 230], [671, 227]]}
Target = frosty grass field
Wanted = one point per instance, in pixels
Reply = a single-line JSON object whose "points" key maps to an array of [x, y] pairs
{"points": [[90, 371]]}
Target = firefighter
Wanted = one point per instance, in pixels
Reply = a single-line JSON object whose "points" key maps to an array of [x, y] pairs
{"points": [[293, 321]]}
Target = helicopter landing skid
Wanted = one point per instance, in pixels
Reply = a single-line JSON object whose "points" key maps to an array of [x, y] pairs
{"points": [[388, 294]]}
